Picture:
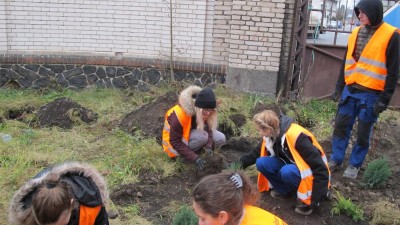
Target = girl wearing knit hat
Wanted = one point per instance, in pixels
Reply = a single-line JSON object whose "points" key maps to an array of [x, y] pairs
{"points": [[192, 125]]}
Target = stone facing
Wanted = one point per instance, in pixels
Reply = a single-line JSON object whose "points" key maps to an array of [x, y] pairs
{"points": [[78, 72]]}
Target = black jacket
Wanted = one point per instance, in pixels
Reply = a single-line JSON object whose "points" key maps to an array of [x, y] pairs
{"points": [[307, 151]]}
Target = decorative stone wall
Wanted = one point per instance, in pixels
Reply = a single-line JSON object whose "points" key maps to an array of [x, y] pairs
{"points": [[77, 72], [78, 77]]}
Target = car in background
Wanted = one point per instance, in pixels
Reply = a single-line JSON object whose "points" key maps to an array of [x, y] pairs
{"points": [[333, 25]]}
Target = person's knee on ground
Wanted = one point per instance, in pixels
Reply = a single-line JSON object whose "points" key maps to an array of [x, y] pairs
{"points": [[219, 138], [198, 139]]}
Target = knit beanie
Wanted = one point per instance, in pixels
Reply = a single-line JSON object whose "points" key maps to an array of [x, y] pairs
{"points": [[205, 99]]}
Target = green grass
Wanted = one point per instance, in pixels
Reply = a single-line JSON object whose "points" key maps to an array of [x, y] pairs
{"points": [[346, 206], [119, 156]]}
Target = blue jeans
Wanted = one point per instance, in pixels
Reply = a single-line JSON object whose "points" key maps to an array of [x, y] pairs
{"points": [[284, 177], [353, 106]]}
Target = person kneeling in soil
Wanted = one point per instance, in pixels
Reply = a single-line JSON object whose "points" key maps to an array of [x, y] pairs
{"points": [[290, 161], [228, 198], [192, 125], [70, 193]]}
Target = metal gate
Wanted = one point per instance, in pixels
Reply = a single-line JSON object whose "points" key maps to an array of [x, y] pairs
{"points": [[315, 60]]}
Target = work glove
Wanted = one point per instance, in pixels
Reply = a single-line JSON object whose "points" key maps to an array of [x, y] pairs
{"points": [[336, 95], [379, 107], [209, 151], [200, 163]]}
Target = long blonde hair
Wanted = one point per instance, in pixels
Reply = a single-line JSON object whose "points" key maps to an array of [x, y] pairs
{"points": [[212, 120], [267, 120]]}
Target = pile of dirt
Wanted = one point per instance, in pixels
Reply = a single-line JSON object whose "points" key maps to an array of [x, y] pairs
{"points": [[64, 113], [149, 119]]}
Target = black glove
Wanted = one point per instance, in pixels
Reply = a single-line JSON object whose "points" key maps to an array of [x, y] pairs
{"points": [[209, 151], [200, 163], [336, 95], [379, 107]]}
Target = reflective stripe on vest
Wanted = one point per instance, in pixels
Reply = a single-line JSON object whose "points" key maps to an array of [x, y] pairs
{"points": [[370, 71], [185, 120], [304, 190], [88, 215]]}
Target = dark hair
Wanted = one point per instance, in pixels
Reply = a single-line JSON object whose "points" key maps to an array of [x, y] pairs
{"points": [[51, 199], [216, 193]]}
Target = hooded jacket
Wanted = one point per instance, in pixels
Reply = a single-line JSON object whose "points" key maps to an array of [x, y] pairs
{"points": [[175, 129], [88, 186], [374, 10], [308, 152]]}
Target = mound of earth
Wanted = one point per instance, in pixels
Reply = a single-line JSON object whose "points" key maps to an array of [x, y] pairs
{"points": [[149, 119], [64, 113]]}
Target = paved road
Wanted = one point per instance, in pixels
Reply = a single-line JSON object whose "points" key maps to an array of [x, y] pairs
{"points": [[328, 37]]}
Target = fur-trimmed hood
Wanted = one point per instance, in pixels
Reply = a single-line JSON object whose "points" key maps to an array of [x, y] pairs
{"points": [[20, 208], [187, 97]]}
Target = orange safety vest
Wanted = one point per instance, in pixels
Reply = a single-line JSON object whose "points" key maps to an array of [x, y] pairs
{"points": [[88, 215], [256, 216], [185, 120], [304, 190], [370, 71]]}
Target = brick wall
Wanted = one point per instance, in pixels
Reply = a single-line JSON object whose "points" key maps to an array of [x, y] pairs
{"points": [[246, 36], [3, 33], [135, 28], [286, 38], [251, 33]]}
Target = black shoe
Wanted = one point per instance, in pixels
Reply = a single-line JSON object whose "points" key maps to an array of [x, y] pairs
{"points": [[276, 194], [303, 209]]}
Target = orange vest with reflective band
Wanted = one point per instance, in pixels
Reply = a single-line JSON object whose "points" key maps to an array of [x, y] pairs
{"points": [[262, 182], [256, 216], [304, 190], [185, 120], [370, 71], [88, 215]]}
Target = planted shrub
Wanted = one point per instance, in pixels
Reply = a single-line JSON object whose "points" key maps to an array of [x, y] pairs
{"points": [[346, 206], [185, 216], [377, 173]]}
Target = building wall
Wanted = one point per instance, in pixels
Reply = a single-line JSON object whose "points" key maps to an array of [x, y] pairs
{"points": [[247, 36], [3, 33]]}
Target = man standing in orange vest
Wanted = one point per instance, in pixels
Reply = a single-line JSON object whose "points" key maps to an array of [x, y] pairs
{"points": [[192, 125], [365, 85]]}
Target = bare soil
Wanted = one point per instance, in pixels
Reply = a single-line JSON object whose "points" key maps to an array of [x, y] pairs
{"points": [[64, 113], [156, 195]]}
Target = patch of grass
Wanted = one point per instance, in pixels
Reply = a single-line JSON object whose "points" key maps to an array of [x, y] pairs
{"points": [[346, 206], [385, 213], [315, 115], [377, 173], [185, 216]]}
